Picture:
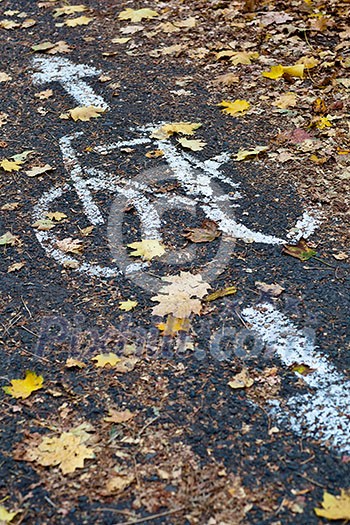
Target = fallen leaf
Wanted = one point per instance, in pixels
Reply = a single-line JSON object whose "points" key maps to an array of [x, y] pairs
{"points": [[8, 238], [103, 360], [241, 380], [274, 290], [15, 267], [22, 388], [43, 225], [4, 77], [10, 206], [244, 57], [67, 451], [206, 233], [136, 15], [69, 10], [10, 165], [194, 145], [122, 40], [335, 507], [70, 245], [29, 22], [285, 101], [5, 516], [167, 130], [8, 24], [39, 170], [182, 296], [119, 483], [300, 251], [279, 71], [44, 95], [341, 256], [230, 290], [236, 107], [302, 369], [147, 249], [227, 79], [174, 325], [72, 363], [154, 154], [115, 416], [323, 123], [80, 21], [126, 364], [85, 113], [43, 46], [244, 154], [87, 231], [56, 216], [127, 305], [21, 157], [319, 106]]}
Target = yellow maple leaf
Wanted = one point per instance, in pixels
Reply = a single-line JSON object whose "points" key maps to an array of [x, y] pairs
{"points": [[85, 113], [22, 388], [147, 249], [127, 305], [136, 15], [10, 165], [274, 73], [66, 451], [167, 130], [193, 145], [243, 57], [323, 122], [286, 100], [244, 154], [69, 10], [5, 516], [235, 107], [106, 359], [80, 21], [277, 72], [335, 507], [173, 325]]}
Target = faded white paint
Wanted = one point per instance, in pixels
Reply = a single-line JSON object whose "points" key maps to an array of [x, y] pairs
{"points": [[323, 412], [69, 75]]}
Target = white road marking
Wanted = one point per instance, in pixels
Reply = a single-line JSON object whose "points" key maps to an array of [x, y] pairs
{"points": [[69, 75], [304, 227], [323, 413]]}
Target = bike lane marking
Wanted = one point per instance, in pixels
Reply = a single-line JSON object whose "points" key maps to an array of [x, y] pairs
{"points": [[69, 75], [321, 414]]}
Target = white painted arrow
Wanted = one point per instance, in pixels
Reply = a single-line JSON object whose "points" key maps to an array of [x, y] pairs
{"points": [[69, 75]]}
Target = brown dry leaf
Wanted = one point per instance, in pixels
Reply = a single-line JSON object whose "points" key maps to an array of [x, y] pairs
{"points": [[243, 57], [341, 256], [206, 233], [274, 290], [4, 77], [85, 113], [154, 154], [56, 216], [115, 416], [241, 380], [60, 47], [285, 101], [43, 95], [118, 483], [70, 245], [74, 363], [67, 451], [15, 267], [300, 251], [227, 80], [182, 296], [8, 24], [126, 364], [10, 206], [3, 118], [43, 225]]}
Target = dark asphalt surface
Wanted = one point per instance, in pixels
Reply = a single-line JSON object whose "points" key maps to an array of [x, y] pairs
{"points": [[199, 403]]}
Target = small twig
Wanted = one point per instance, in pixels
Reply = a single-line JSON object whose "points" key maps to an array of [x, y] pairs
{"points": [[242, 320], [50, 501], [26, 307], [35, 355], [153, 517], [324, 262], [29, 331], [147, 425], [310, 480]]}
